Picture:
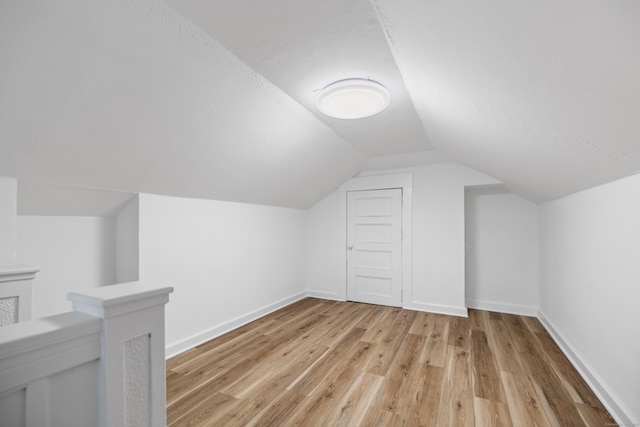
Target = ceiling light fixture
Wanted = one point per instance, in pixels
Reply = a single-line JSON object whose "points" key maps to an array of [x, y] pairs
{"points": [[353, 99]]}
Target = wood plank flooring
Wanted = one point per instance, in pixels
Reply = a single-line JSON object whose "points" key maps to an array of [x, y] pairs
{"points": [[328, 363]]}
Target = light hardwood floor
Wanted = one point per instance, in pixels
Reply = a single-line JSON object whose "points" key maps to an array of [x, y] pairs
{"points": [[328, 363]]}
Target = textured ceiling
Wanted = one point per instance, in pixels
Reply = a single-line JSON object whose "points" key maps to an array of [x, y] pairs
{"points": [[543, 95], [52, 200], [131, 96], [215, 99], [303, 46]]}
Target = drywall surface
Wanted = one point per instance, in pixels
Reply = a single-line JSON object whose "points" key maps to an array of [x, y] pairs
{"points": [[131, 95], [225, 261], [299, 45], [501, 237], [590, 276], [438, 238], [322, 248], [533, 97], [8, 222], [438, 235], [73, 254], [127, 243]]}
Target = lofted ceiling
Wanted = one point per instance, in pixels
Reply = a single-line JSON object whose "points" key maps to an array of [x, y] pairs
{"points": [[543, 95], [216, 99]]}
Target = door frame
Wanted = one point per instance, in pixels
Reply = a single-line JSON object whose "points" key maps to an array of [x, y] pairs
{"points": [[378, 182]]}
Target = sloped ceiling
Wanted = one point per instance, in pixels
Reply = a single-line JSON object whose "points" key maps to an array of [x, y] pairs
{"points": [[130, 96], [303, 46], [215, 99], [543, 95], [53, 200]]}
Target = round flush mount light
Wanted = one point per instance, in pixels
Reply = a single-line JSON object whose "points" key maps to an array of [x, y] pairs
{"points": [[353, 99]]}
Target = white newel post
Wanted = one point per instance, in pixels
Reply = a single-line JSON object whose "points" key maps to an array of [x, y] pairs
{"points": [[15, 293], [132, 365]]}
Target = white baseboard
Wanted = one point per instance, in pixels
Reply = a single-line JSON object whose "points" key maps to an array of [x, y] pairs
{"points": [[325, 295], [183, 345], [500, 307], [620, 413], [437, 308]]}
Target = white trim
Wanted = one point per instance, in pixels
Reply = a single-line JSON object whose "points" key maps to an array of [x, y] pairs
{"points": [[129, 311], [37, 403], [15, 273], [15, 282], [117, 300], [437, 308], [378, 182], [502, 307], [183, 345], [43, 347], [620, 412], [393, 171], [324, 295]]}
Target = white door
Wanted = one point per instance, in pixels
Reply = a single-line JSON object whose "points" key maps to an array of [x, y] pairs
{"points": [[374, 246]]}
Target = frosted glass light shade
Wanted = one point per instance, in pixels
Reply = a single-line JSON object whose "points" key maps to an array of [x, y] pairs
{"points": [[353, 99]]}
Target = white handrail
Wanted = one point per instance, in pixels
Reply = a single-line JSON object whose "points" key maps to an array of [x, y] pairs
{"points": [[102, 364], [132, 364], [15, 293]]}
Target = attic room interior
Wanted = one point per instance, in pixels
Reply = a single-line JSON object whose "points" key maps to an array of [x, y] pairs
{"points": [[186, 145]]}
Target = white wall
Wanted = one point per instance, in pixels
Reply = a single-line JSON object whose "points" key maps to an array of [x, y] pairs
{"points": [[438, 238], [322, 248], [127, 243], [8, 222], [590, 284], [438, 235], [501, 235], [228, 262], [73, 254]]}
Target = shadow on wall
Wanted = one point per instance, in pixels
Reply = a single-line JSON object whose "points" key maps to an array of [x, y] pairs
{"points": [[79, 238], [501, 251]]}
